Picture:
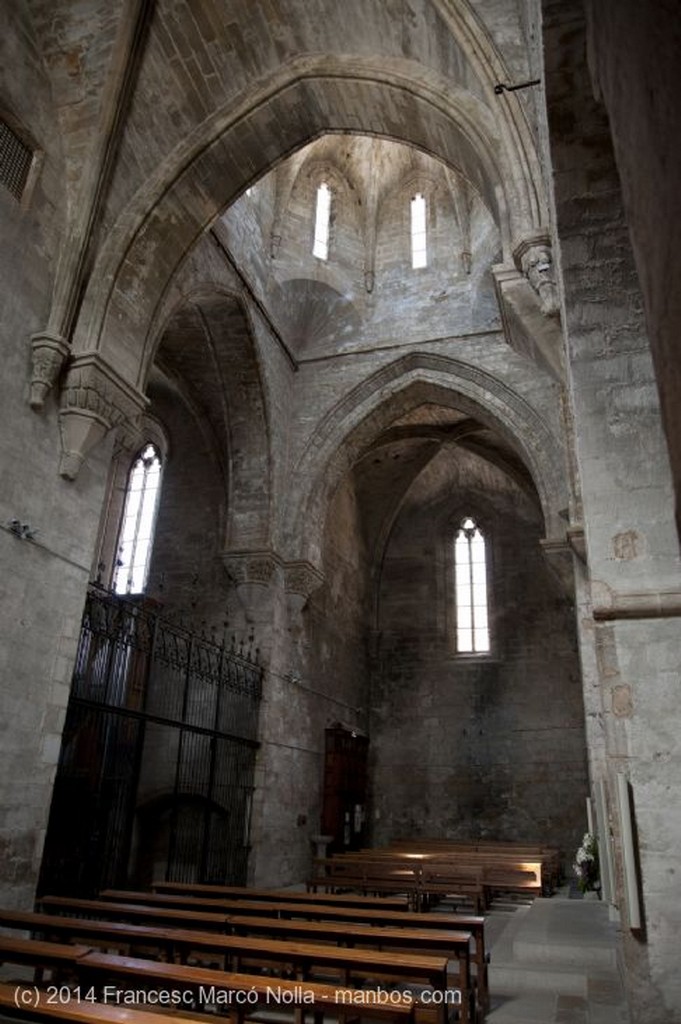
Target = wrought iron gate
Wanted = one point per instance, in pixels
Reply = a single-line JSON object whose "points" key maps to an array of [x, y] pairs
{"points": [[156, 768]]}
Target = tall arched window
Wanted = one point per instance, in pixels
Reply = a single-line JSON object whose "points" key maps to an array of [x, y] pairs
{"points": [[419, 254], [320, 248], [137, 526], [470, 562]]}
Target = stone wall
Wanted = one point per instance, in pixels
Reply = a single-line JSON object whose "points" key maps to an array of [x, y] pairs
{"points": [[475, 746], [627, 624], [43, 579], [633, 61]]}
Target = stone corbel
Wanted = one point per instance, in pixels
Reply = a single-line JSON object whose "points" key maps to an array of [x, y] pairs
{"points": [[49, 353], [533, 258], [559, 557], [526, 328], [251, 567], [577, 541], [301, 581], [255, 576], [94, 400]]}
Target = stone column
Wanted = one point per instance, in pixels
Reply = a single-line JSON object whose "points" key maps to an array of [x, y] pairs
{"points": [[272, 595]]}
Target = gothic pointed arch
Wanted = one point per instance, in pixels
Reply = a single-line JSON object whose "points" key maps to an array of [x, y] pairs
{"points": [[178, 201], [208, 342], [353, 424]]}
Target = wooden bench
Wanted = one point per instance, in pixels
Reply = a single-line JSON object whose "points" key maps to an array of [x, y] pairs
{"points": [[365, 874], [301, 958], [442, 871], [454, 944], [12, 1004], [363, 871], [236, 950], [543, 860], [40, 955], [136, 911], [246, 993], [249, 893], [316, 912]]}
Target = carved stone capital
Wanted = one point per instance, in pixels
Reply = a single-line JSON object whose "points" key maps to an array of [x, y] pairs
{"points": [[302, 578], [248, 567], [49, 353], [94, 400]]}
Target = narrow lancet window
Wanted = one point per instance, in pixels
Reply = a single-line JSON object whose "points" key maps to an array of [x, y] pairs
{"points": [[320, 249], [419, 256], [137, 527], [472, 625]]}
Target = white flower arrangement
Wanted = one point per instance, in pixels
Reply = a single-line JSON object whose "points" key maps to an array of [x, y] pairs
{"points": [[586, 863]]}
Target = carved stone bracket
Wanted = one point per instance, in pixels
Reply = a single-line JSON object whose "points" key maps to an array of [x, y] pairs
{"points": [[252, 573], [526, 327], [533, 257], [49, 353], [94, 400], [577, 541], [560, 558], [251, 567], [301, 581]]}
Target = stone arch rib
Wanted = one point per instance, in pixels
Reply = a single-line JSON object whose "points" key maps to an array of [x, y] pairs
{"points": [[350, 426]]}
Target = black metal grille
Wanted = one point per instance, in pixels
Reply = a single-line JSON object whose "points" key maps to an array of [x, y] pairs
{"points": [[156, 769], [15, 161]]}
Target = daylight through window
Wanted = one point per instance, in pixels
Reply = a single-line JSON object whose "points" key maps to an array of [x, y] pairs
{"points": [[419, 257], [322, 219], [472, 626], [137, 527]]}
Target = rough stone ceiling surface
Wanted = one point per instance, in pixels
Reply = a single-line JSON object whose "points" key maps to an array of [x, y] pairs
{"points": [[367, 290], [396, 466], [224, 91]]}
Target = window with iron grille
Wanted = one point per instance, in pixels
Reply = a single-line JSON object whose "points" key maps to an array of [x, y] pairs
{"points": [[15, 161]]}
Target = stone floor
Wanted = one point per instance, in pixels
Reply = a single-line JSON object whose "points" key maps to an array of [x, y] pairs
{"points": [[554, 962]]}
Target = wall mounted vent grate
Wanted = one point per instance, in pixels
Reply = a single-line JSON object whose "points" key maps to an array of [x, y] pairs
{"points": [[15, 161]]}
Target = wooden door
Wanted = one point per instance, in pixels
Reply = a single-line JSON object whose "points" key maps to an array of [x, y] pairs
{"points": [[345, 786]]}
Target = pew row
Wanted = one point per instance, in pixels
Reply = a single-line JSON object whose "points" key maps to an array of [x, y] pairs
{"points": [[282, 895], [403, 958], [185, 913]]}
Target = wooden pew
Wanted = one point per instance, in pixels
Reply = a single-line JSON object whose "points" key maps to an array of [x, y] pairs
{"points": [[238, 950], [543, 860], [136, 912], [40, 955], [326, 915], [12, 1004], [365, 874], [249, 893], [454, 944], [471, 873], [256, 992], [287, 912], [235, 949]]}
